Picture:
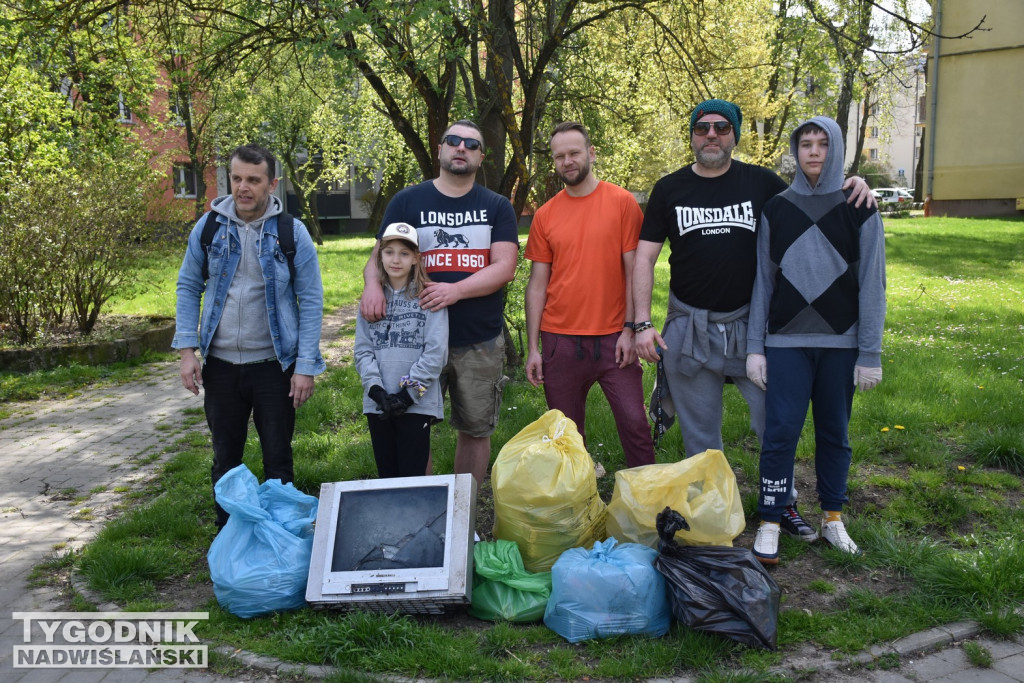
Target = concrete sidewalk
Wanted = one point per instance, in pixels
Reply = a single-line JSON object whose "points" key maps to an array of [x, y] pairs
{"points": [[61, 461]]}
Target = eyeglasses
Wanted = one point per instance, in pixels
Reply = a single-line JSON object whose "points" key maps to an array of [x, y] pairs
{"points": [[456, 140], [702, 128]]}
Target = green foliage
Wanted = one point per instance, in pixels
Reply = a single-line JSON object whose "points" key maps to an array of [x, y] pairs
{"points": [[73, 181], [1002, 623], [312, 114], [876, 173], [68, 240]]}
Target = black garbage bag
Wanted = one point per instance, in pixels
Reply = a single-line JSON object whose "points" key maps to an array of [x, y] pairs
{"points": [[717, 588]]}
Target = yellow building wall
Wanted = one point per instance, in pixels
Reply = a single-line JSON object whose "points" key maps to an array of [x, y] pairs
{"points": [[979, 114]]}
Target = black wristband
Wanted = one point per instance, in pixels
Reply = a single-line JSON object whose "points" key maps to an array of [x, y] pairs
{"points": [[629, 326], [642, 327]]}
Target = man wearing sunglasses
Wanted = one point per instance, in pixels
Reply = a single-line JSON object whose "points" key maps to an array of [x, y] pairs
{"points": [[709, 212], [468, 238]]}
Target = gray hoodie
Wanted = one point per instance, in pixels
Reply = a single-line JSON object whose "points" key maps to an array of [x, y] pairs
{"points": [[831, 178], [409, 342], [242, 337], [820, 265]]}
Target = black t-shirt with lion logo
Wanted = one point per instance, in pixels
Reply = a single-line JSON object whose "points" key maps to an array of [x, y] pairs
{"points": [[455, 236]]}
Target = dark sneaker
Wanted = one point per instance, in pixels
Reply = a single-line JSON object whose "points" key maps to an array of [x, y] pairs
{"points": [[794, 525], [766, 543]]}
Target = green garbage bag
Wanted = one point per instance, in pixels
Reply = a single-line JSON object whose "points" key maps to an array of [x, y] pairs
{"points": [[502, 588]]}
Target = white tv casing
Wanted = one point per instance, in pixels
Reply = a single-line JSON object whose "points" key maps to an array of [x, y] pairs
{"points": [[427, 590]]}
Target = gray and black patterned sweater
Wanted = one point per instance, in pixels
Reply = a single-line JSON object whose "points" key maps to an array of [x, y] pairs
{"points": [[820, 265]]}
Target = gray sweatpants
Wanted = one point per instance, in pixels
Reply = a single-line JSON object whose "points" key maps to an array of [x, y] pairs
{"points": [[697, 397]]}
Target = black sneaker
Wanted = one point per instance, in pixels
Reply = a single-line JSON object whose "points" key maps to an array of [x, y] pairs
{"points": [[794, 525]]}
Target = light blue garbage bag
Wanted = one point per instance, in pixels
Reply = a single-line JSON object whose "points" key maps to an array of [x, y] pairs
{"points": [[259, 562], [610, 590]]}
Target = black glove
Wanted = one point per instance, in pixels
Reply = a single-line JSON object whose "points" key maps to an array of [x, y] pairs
{"points": [[399, 402], [380, 397]]}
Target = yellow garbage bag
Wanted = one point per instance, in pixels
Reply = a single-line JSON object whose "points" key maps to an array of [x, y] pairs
{"points": [[701, 488], [545, 492]]}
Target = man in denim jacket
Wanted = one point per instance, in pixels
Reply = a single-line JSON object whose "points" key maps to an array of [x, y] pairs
{"points": [[259, 333]]}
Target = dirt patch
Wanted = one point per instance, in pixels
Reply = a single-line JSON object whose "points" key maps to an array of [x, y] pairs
{"points": [[337, 336]]}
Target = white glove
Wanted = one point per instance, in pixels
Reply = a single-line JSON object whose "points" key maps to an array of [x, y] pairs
{"points": [[865, 378], [757, 370]]}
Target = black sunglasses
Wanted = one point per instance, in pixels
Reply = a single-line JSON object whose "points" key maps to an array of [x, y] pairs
{"points": [[702, 127], [456, 140]]}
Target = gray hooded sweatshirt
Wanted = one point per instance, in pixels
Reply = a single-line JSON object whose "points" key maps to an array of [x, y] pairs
{"points": [[242, 337], [820, 264]]}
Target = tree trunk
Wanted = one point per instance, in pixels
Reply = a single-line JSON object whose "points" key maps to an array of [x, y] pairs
{"points": [[858, 148], [301, 198]]}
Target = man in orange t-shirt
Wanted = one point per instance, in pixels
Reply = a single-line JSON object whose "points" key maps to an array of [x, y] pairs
{"points": [[579, 307]]}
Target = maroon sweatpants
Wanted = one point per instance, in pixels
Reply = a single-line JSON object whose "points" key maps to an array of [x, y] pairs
{"points": [[571, 366]]}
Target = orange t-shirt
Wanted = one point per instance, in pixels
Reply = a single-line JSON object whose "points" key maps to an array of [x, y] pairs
{"points": [[584, 238]]}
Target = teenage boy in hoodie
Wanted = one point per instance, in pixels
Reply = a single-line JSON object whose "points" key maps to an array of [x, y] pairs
{"points": [[259, 333], [815, 328]]}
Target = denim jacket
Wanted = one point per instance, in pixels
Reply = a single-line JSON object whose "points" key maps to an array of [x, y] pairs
{"points": [[294, 309]]}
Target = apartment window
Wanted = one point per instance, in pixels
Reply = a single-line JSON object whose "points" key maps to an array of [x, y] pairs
{"points": [[184, 177], [124, 114], [873, 154], [874, 110], [874, 131]]}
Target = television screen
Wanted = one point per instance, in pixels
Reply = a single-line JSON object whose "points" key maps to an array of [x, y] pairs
{"points": [[394, 544], [390, 529]]}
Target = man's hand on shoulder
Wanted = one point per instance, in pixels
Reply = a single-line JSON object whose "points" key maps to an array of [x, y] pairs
{"points": [[372, 305], [191, 371], [860, 192], [438, 295], [302, 389]]}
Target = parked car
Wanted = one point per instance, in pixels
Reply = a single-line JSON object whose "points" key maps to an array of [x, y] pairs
{"points": [[892, 195]]}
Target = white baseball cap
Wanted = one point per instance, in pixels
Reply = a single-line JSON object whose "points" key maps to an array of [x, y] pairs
{"points": [[400, 231]]}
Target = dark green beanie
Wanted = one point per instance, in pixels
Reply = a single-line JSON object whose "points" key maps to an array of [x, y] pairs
{"points": [[727, 109]]}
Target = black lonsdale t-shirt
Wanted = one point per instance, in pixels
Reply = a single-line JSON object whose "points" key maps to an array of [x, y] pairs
{"points": [[711, 226], [455, 236]]}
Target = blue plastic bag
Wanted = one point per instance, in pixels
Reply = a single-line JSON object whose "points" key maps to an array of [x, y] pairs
{"points": [[259, 562], [610, 590]]}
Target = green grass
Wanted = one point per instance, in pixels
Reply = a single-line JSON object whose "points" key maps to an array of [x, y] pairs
{"points": [[978, 655], [935, 490]]}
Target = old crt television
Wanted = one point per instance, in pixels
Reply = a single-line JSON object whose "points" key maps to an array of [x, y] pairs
{"points": [[394, 545]]}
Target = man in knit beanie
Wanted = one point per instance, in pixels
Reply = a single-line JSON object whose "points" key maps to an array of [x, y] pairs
{"points": [[709, 212]]}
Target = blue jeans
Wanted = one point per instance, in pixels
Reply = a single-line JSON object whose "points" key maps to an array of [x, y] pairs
{"points": [[797, 377], [232, 394]]}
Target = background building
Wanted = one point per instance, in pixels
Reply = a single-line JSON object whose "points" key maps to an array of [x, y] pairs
{"points": [[974, 151]]}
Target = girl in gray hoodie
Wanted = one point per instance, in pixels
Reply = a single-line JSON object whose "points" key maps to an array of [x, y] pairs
{"points": [[399, 359]]}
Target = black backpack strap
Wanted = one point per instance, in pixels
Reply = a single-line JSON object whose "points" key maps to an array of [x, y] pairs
{"points": [[206, 239], [286, 238]]}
